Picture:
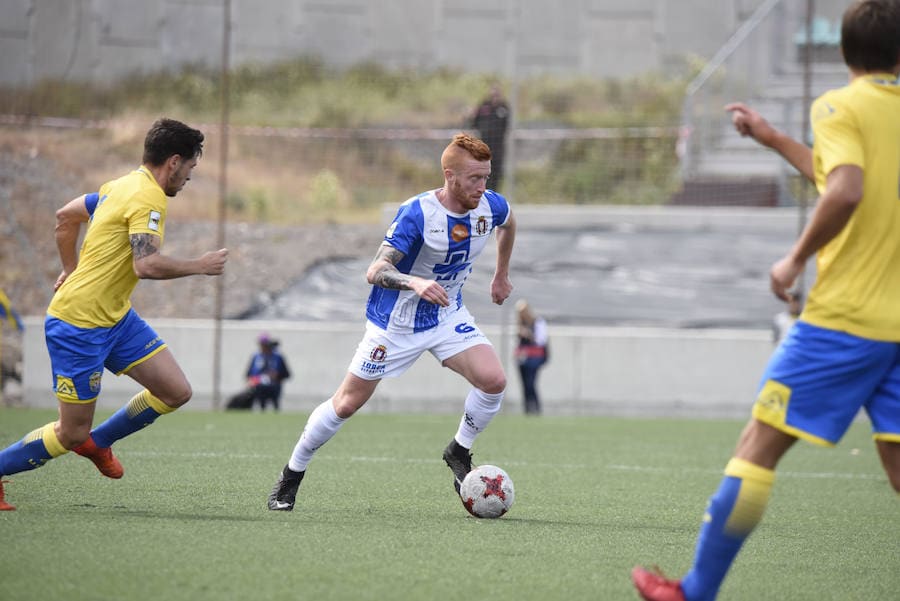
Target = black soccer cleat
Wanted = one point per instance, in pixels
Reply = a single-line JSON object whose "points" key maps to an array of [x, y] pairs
{"points": [[284, 494], [459, 460]]}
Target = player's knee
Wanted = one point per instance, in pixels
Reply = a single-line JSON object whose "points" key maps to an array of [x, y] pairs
{"points": [[494, 384], [178, 397], [345, 407], [70, 436]]}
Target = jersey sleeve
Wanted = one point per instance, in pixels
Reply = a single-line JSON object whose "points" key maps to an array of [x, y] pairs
{"points": [[836, 135], [90, 202], [499, 207], [405, 232], [147, 214]]}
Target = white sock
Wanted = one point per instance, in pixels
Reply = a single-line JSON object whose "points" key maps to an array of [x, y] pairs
{"points": [[481, 408], [323, 423]]}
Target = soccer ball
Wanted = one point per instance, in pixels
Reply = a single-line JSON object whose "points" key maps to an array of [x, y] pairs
{"points": [[487, 492]]}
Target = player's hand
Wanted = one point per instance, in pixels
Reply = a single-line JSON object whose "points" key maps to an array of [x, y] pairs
{"points": [[431, 291], [213, 262], [748, 122], [59, 280], [783, 275], [501, 288]]}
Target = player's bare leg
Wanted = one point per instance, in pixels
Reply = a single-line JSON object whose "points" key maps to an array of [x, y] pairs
{"points": [[165, 389], [323, 423], [890, 459]]}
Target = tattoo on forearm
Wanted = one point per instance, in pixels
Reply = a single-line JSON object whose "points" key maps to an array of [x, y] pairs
{"points": [[143, 245], [388, 276]]}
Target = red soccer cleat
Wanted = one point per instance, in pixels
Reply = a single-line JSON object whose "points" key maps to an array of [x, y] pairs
{"points": [[4, 506], [654, 586], [104, 459]]}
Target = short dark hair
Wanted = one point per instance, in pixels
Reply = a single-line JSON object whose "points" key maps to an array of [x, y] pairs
{"points": [[168, 137], [870, 35]]}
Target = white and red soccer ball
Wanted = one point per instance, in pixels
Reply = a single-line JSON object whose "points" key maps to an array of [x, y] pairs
{"points": [[487, 492]]}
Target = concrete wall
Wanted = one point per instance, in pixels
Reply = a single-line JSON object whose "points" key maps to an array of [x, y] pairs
{"points": [[608, 371], [100, 40]]}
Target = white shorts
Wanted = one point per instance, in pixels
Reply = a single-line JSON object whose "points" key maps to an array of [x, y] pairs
{"points": [[383, 354]]}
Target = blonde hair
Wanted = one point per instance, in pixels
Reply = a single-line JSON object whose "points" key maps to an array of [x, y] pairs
{"points": [[461, 147], [524, 311]]}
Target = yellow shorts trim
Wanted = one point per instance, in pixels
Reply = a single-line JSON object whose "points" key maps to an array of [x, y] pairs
{"points": [[886, 437], [142, 359]]}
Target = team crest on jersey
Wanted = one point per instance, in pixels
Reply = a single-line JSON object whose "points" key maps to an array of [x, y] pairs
{"points": [[153, 223], [65, 388], [459, 232], [379, 353], [481, 226], [94, 381]]}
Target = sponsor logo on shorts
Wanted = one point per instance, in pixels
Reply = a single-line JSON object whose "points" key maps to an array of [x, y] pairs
{"points": [[374, 365], [94, 381], [371, 368], [153, 343], [65, 388], [772, 402], [378, 353]]}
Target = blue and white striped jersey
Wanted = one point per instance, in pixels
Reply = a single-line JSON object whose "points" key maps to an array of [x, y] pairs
{"points": [[437, 245]]}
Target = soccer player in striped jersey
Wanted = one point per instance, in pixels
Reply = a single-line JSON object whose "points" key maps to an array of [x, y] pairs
{"points": [[90, 324], [416, 305], [843, 354]]}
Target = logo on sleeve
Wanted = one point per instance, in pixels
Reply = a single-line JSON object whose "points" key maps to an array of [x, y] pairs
{"points": [[153, 224], [390, 231]]}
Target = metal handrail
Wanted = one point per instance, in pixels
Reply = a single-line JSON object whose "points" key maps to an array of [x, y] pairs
{"points": [[731, 45], [715, 63]]}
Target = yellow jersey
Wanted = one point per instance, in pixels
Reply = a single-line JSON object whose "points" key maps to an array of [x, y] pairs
{"points": [[98, 292], [857, 287]]}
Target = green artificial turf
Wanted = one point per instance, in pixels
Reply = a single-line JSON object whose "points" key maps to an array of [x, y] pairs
{"points": [[377, 517]]}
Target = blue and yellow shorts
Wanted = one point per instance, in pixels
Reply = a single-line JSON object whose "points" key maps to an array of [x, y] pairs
{"points": [[818, 379], [78, 355]]}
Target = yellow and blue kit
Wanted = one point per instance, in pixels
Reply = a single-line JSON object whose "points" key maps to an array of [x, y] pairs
{"points": [[843, 354]]}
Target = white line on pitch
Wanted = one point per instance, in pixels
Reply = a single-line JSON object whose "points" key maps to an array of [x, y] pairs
{"points": [[524, 464]]}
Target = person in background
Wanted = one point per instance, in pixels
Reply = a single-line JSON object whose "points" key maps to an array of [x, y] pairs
{"points": [[843, 354], [491, 119], [265, 373], [784, 320], [531, 353], [90, 323], [416, 305]]}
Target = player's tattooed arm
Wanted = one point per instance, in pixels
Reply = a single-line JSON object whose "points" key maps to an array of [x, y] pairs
{"points": [[143, 245], [383, 270]]}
